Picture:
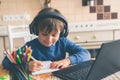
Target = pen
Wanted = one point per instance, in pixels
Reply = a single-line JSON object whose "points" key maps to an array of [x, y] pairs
{"points": [[33, 58], [18, 58], [18, 73], [27, 49], [14, 54], [24, 58], [19, 51], [29, 55], [22, 72]]}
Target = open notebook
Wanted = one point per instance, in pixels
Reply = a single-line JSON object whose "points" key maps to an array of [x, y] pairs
{"points": [[107, 62]]}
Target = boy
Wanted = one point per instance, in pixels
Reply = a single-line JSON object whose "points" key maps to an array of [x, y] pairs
{"points": [[51, 28]]}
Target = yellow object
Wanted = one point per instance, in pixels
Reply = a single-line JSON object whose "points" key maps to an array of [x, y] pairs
{"points": [[5, 77], [29, 55]]}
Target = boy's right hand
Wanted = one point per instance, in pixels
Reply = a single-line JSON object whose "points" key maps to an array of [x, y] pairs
{"points": [[35, 66]]}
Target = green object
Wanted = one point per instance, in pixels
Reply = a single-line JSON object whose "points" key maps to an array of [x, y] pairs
{"points": [[18, 59], [30, 77], [19, 51], [5, 77]]}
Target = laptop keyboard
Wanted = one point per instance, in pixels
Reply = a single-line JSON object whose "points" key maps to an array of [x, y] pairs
{"points": [[75, 72], [79, 74]]}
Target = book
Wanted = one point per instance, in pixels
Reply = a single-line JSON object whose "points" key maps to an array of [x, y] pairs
{"points": [[45, 69]]}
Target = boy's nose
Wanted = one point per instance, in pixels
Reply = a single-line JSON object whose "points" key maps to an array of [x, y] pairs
{"points": [[49, 38]]}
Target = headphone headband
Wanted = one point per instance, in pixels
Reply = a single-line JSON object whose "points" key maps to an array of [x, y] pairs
{"points": [[48, 14], [53, 15]]}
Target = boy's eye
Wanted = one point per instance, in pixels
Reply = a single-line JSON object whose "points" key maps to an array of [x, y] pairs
{"points": [[54, 35]]}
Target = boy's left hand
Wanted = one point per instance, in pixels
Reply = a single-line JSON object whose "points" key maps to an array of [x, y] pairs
{"points": [[60, 64]]}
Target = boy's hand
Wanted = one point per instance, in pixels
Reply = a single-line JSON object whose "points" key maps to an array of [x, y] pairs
{"points": [[60, 64], [35, 65]]}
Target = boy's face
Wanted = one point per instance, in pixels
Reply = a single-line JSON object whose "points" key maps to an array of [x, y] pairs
{"points": [[48, 39]]}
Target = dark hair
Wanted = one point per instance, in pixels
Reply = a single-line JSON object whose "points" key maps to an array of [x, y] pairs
{"points": [[49, 19], [49, 24]]}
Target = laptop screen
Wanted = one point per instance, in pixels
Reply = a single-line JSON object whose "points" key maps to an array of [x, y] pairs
{"points": [[107, 61]]}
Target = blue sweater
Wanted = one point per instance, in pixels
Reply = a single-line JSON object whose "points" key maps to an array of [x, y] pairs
{"points": [[55, 52]]}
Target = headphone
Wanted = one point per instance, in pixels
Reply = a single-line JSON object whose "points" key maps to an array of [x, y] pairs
{"points": [[48, 14]]}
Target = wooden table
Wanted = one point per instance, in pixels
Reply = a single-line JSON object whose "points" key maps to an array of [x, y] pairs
{"points": [[47, 76]]}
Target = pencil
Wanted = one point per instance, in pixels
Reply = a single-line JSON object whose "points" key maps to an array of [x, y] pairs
{"points": [[11, 57], [8, 56], [33, 58]]}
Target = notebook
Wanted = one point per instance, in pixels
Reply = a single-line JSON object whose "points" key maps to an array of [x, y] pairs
{"points": [[107, 62], [44, 69]]}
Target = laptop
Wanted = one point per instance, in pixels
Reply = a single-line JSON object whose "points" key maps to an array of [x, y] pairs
{"points": [[107, 62]]}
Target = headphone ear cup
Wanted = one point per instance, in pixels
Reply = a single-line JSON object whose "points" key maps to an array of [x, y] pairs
{"points": [[65, 31], [33, 27], [62, 33], [30, 28]]}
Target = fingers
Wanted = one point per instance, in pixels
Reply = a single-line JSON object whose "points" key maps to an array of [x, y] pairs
{"points": [[60, 64], [56, 65], [39, 63], [35, 65]]}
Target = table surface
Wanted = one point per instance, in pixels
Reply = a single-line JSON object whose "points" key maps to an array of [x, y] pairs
{"points": [[47, 76]]}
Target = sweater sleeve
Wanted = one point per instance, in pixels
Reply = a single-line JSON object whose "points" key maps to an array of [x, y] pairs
{"points": [[77, 53]]}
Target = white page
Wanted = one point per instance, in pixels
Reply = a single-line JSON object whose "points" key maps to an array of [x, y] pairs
{"points": [[45, 69]]}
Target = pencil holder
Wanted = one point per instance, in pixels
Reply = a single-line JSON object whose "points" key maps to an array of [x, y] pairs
{"points": [[20, 72], [19, 59]]}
